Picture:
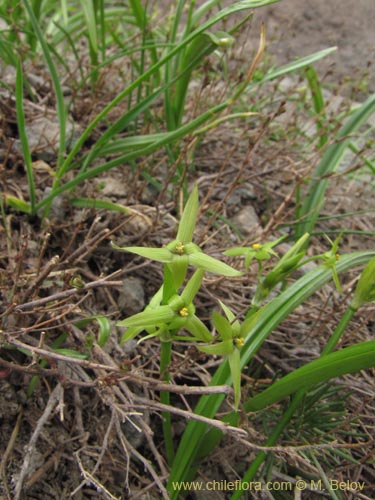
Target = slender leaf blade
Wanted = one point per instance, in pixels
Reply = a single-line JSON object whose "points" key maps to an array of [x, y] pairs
{"points": [[349, 360]]}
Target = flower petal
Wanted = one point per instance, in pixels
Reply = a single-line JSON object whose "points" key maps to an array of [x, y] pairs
{"points": [[236, 251], [195, 326], [204, 261], [235, 369], [188, 218], [149, 317], [219, 349], [130, 334], [222, 326], [158, 254], [192, 287], [228, 313]]}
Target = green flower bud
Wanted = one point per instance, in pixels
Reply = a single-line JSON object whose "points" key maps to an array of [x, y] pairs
{"points": [[365, 289]]}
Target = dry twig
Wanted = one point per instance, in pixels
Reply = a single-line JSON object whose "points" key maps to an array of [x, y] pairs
{"points": [[54, 400]]}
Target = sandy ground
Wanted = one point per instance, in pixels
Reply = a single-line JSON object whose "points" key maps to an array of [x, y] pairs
{"points": [[300, 27]]}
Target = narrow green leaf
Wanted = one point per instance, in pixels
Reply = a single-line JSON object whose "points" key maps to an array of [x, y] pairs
{"points": [[60, 103], [128, 143], [295, 65], [316, 89], [295, 250], [130, 334], [104, 330], [349, 360], [201, 47], [228, 313], [64, 9], [99, 204], [365, 289], [178, 267], [318, 103], [71, 353], [169, 286], [18, 204], [214, 435], [89, 13], [23, 136], [104, 326], [329, 164], [235, 370], [210, 4]]}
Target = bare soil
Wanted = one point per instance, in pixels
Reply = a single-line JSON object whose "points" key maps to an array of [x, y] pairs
{"points": [[298, 28]]}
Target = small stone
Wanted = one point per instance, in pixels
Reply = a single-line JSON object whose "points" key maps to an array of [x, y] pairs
{"points": [[247, 220], [57, 209], [132, 296], [129, 347], [43, 135], [110, 186]]}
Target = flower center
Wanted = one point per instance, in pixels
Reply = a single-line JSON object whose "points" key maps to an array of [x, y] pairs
{"points": [[184, 312], [239, 341], [180, 249]]}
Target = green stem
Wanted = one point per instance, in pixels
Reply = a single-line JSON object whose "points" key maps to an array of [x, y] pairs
{"points": [[336, 335], [165, 360], [295, 403]]}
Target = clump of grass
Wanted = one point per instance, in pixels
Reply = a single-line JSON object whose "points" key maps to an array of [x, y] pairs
{"points": [[177, 58]]}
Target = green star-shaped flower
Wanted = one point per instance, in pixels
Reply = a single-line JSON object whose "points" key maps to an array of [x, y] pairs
{"points": [[330, 259], [231, 340], [165, 320], [181, 252], [258, 251]]}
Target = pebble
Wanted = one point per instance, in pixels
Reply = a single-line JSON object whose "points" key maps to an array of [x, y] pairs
{"points": [[247, 220], [132, 296], [43, 135]]}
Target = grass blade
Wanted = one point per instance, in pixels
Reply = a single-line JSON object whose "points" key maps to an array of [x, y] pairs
{"points": [[165, 140], [60, 104], [329, 163], [98, 204], [231, 9], [23, 136], [90, 17], [318, 103], [295, 65], [349, 360]]}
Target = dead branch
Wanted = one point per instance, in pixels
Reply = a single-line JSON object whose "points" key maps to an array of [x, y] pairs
{"points": [[53, 401], [222, 426]]}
